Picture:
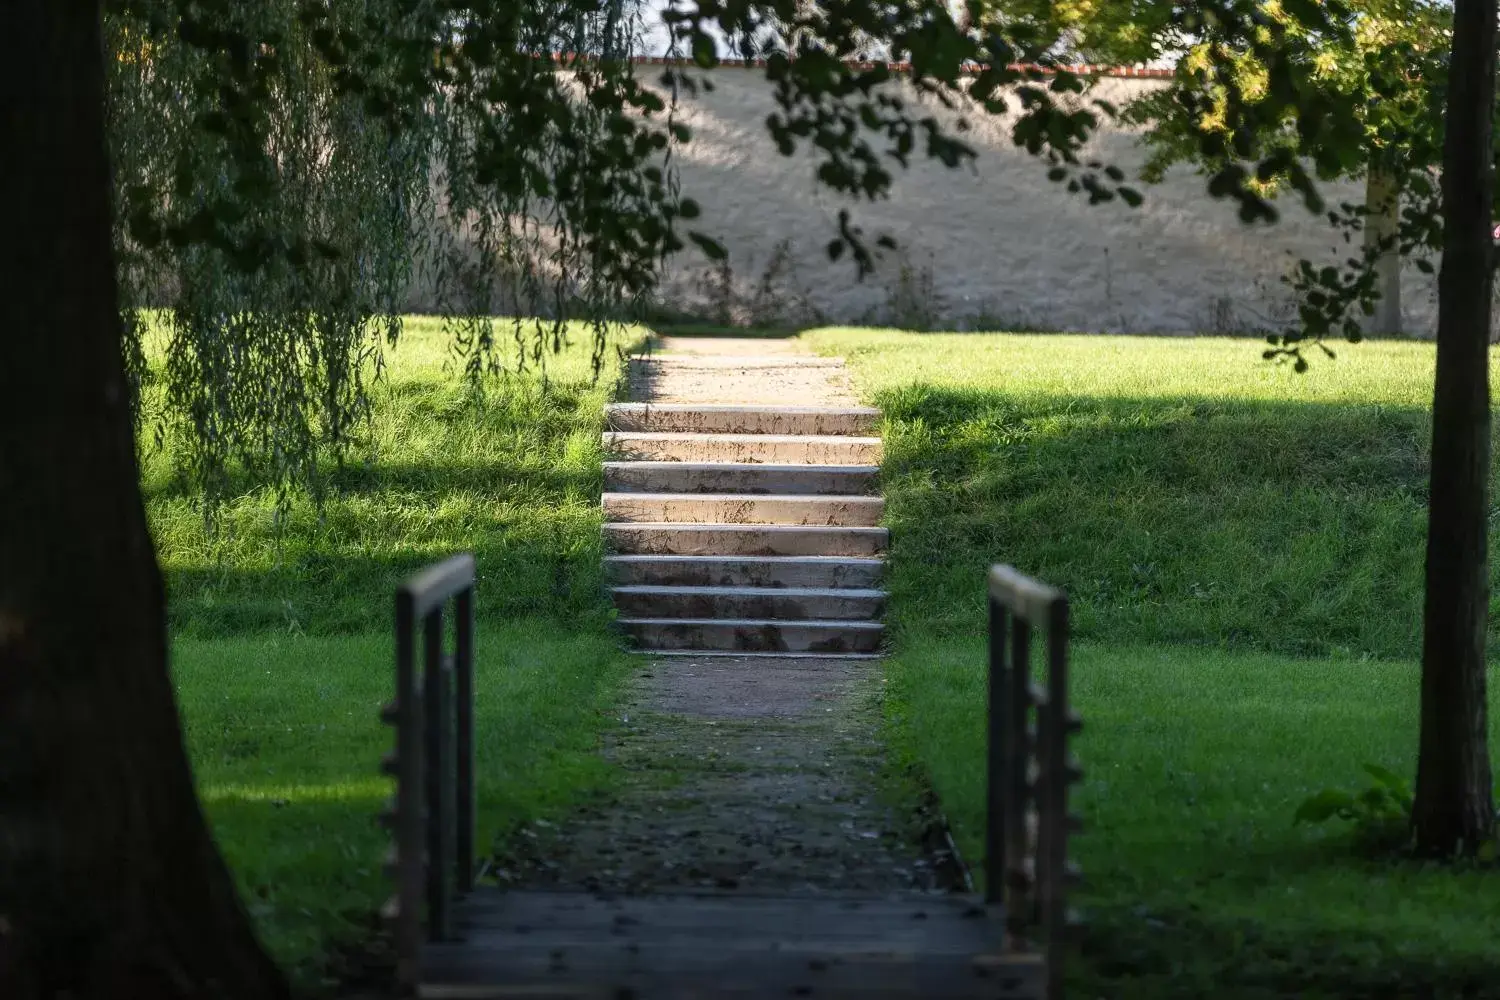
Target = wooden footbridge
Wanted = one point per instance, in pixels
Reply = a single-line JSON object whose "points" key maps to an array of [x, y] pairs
{"points": [[456, 939]]}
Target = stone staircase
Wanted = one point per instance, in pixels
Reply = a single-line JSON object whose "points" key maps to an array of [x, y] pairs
{"points": [[744, 528]]}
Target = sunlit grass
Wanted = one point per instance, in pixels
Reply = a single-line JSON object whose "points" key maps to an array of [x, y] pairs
{"points": [[1061, 365], [513, 476]]}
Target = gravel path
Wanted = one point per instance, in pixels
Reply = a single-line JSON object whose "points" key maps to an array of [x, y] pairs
{"points": [[757, 773]]}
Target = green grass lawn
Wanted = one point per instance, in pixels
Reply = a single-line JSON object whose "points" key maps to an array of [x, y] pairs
{"points": [[282, 633], [1242, 548]]}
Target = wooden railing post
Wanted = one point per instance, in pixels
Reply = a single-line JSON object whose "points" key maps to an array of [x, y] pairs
{"points": [[438, 674], [405, 764], [999, 759], [1034, 725], [432, 815], [1020, 812], [463, 658]]}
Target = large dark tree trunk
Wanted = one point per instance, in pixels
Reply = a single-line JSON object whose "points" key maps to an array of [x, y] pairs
{"points": [[1455, 807], [110, 885]]}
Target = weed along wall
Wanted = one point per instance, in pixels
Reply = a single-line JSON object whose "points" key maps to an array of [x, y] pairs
{"points": [[998, 246]]}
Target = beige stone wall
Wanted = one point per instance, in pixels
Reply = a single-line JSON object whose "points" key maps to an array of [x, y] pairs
{"points": [[1005, 246]]}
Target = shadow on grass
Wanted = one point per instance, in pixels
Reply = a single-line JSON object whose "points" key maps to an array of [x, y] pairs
{"points": [[316, 592], [1297, 527], [1133, 953], [1196, 880], [498, 479], [285, 738]]}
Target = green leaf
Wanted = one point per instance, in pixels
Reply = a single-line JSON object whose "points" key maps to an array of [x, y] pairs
{"points": [[712, 249], [1392, 783], [1130, 196], [835, 249], [689, 209], [1325, 805], [705, 53]]}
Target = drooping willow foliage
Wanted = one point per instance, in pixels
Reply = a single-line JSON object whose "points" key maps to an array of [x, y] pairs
{"points": [[286, 169], [278, 235], [264, 367]]}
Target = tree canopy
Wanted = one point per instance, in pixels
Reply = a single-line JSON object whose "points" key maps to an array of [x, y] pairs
{"points": [[282, 168], [1374, 74]]}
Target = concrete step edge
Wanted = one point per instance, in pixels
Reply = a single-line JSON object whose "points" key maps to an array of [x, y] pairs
{"points": [[793, 592], [768, 560], [665, 526], [730, 409], [732, 436], [728, 653], [818, 498], [648, 465], [738, 360], [857, 624]]}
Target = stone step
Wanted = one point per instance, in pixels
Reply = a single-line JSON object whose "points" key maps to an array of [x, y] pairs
{"points": [[721, 361], [719, 508], [754, 635], [749, 657], [797, 449], [736, 477], [779, 603], [706, 418], [694, 388], [743, 540], [743, 571]]}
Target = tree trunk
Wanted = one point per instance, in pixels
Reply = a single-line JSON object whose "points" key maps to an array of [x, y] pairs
{"points": [[1382, 225], [1454, 808], [110, 885]]}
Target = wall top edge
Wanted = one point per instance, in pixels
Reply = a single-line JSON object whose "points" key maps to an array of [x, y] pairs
{"points": [[1133, 72]]}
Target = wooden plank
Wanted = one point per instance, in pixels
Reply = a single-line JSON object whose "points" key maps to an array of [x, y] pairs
{"points": [[1027, 598], [1018, 895], [998, 751], [688, 967], [725, 944], [438, 678], [1061, 771], [951, 923], [463, 747], [406, 929], [435, 584]]}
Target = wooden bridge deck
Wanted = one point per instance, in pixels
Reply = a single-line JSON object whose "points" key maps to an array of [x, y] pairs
{"points": [[454, 941], [674, 947]]}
